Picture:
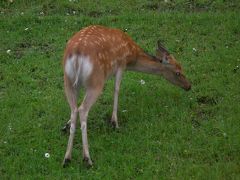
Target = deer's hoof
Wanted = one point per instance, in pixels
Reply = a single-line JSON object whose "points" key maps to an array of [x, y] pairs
{"points": [[88, 161], [66, 162], [66, 128], [114, 124]]}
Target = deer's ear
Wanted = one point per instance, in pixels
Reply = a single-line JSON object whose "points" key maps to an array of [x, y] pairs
{"points": [[165, 60], [161, 48], [162, 53], [163, 57]]}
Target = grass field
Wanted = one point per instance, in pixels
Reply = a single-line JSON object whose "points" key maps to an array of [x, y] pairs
{"points": [[165, 133]]}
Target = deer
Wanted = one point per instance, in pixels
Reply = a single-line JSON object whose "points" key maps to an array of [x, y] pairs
{"points": [[91, 57]]}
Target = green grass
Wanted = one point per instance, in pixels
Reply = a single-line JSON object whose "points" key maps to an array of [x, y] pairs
{"points": [[165, 133]]}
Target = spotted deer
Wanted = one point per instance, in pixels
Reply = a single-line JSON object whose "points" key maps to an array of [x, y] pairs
{"points": [[94, 54]]}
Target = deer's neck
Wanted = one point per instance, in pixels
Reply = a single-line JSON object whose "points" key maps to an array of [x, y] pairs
{"points": [[146, 63]]}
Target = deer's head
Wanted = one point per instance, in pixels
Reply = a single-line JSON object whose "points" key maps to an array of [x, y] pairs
{"points": [[172, 69]]}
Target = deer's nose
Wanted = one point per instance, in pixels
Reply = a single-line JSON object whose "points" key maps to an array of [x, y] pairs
{"points": [[188, 87]]}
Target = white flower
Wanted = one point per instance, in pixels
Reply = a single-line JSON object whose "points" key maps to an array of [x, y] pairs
{"points": [[41, 13], [8, 51], [142, 82], [194, 49], [5, 142], [22, 13], [225, 134], [47, 155], [124, 110], [74, 12], [26, 29], [126, 29], [10, 127]]}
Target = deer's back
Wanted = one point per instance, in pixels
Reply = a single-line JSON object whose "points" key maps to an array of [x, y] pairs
{"points": [[100, 49]]}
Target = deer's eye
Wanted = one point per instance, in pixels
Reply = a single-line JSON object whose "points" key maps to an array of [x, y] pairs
{"points": [[177, 73]]}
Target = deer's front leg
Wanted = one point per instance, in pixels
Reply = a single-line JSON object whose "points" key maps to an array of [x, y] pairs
{"points": [[114, 120]]}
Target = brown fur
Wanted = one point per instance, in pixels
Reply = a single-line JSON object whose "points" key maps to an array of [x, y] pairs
{"points": [[110, 52]]}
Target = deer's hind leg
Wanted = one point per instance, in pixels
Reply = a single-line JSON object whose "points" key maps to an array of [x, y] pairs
{"points": [[71, 94], [92, 93]]}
